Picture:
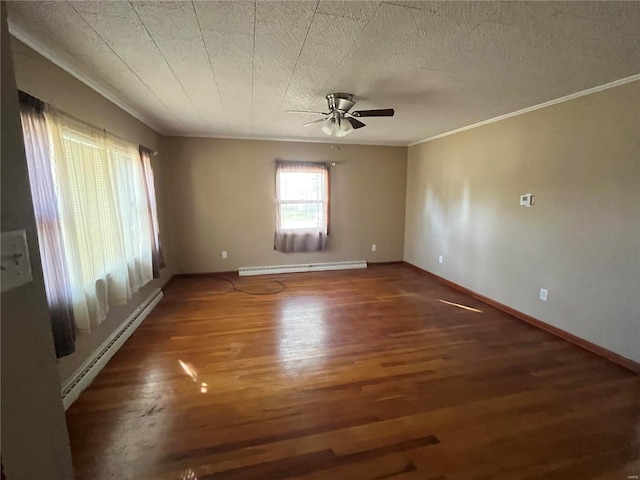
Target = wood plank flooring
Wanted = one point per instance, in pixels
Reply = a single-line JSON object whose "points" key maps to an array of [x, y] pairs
{"points": [[361, 374]]}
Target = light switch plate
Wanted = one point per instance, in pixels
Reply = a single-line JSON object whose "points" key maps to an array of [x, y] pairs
{"points": [[527, 200], [15, 266]]}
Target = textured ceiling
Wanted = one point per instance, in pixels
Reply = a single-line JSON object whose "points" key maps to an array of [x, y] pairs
{"points": [[234, 68]]}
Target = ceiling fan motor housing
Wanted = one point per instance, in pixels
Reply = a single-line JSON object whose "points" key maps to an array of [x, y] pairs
{"points": [[340, 101]]}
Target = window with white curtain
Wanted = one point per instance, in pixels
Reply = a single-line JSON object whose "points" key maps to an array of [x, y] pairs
{"points": [[302, 206], [104, 216]]}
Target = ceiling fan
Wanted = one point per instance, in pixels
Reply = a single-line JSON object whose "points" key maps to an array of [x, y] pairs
{"points": [[339, 121]]}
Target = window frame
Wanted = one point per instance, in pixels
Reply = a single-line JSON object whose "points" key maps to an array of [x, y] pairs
{"points": [[324, 189]]}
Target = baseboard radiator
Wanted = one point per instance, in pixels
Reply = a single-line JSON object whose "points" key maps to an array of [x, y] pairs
{"points": [[85, 374], [305, 267]]}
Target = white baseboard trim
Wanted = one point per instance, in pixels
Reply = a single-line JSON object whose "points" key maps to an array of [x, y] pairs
{"points": [[85, 374], [306, 267]]}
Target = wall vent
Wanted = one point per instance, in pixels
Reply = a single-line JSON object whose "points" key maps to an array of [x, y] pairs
{"points": [[305, 267], [85, 374]]}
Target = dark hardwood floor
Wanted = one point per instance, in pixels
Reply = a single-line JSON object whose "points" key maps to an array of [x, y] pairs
{"points": [[361, 374]]}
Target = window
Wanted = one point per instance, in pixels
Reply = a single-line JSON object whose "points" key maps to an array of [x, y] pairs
{"points": [[302, 202], [302, 206], [92, 185], [106, 227]]}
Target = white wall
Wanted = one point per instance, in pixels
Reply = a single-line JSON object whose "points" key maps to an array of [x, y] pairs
{"points": [[581, 240]]}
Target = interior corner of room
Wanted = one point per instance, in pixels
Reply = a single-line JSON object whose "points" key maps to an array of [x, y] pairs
{"points": [[450, 206]]}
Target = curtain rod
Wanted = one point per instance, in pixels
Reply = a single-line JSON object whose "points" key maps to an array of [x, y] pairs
{"points": [[326, 164], [84, 122]]}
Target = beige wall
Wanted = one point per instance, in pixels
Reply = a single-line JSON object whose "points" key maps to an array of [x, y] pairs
{"points": [[41, 78], [35, 444], [222, 196], [581, 239]]}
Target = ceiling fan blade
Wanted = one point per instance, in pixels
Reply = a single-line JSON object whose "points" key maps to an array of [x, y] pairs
{"points": [[384, 112], [316, 121], [355, 123], [305, 111]]}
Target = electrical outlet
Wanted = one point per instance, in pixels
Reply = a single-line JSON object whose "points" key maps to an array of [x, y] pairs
{"points": [[374, 247], [544, 294], [440, 259], [16, 267], [224, 254]]}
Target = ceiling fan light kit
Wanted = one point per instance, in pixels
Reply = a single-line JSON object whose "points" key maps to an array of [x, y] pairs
{"points": [[337, 127], [339, 121]]}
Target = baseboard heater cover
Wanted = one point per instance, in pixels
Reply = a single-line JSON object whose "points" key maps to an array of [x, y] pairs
{"points": [[85, 374], [305, 267]]}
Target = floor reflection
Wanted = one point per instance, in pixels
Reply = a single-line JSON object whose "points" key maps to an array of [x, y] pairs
{"points": [[193, 373], [303, 334], [471, 309], [188, 474]]}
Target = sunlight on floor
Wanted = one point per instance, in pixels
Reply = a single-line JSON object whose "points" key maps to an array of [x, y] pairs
{"points": [[302, 334], [188, 474], [460, 306], [193, 373]]}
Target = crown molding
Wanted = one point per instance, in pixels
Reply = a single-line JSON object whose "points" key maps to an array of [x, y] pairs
{"points": [[38, 45], [566, 98], [329, 141]]}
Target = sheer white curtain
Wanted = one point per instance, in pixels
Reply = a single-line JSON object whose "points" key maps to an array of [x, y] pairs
{"points": [[105, 219]]}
